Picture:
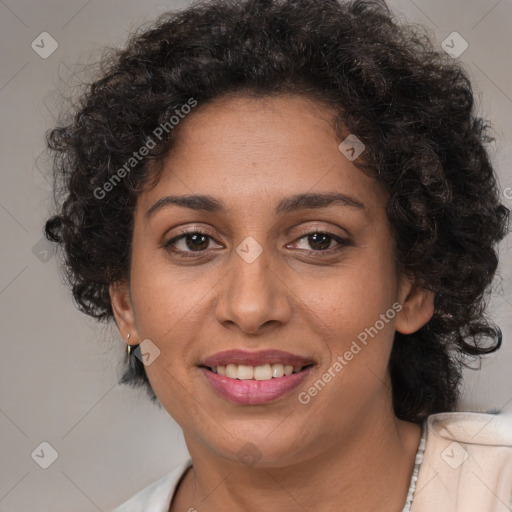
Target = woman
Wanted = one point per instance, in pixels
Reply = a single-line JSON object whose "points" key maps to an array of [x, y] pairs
{"points": [[288, 209]]}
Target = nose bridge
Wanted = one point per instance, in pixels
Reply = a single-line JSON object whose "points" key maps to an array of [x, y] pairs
{"points": [[252, 276], [253, 294]]}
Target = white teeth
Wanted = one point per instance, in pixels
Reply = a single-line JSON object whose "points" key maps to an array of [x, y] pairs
{"points": [[262, 372], [245, 372], [232, 371], [277, 370]]}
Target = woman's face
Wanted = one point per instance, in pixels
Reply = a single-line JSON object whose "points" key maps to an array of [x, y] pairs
{"points": [[254, 281]]}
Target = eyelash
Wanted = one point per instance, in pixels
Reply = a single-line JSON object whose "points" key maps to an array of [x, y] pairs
{"points": [[342, 242]]}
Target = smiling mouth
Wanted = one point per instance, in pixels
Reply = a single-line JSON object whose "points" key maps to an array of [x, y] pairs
{"points": [[262, 372], [255, 385]]}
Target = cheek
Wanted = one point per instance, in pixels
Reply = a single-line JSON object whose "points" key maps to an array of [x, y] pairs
{"points": [[168, 312], [355, 308], [357, 344], [360, 326], [354, 296], [164, 296]]}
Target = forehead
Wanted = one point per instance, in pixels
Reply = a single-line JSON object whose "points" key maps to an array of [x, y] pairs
{"points": [[248, 149], [250, 123]]}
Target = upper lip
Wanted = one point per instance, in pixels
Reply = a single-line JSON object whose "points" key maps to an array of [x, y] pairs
{"points": [[255, 358]]}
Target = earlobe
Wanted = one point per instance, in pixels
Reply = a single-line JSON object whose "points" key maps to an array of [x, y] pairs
{"points": [[417, 310], [123, 310]]}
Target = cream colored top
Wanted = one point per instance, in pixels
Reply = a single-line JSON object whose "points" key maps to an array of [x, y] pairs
{"points": [[466, 467]]}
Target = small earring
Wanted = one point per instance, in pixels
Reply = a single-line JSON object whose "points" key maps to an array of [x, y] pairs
{"points": [[129, 348]]}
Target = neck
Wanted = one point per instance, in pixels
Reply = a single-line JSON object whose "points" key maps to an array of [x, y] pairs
{"points": [[371, 471]]}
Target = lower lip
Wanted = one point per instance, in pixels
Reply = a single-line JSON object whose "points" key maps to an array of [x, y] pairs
{"points": [[253, 392]]}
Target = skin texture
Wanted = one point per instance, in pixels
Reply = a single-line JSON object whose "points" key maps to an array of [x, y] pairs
{"points": [[336, 452]]}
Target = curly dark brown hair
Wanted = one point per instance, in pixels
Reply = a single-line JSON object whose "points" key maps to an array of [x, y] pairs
{"points": [[410, 103]]}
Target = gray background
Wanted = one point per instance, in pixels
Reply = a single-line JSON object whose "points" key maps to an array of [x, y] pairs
{"points": [[58, 368]]}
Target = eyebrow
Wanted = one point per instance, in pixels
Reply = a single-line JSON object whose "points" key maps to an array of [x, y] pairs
{"points": [[287, 205]]}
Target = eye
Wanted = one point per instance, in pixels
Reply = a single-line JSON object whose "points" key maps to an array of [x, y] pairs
{"points": [[196, 243], [190, 242], [322, 242]]}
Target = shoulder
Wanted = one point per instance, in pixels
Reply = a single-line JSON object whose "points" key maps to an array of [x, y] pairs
{"points": [[467, 463], [157, 496], [472, 428], [471, 441]]}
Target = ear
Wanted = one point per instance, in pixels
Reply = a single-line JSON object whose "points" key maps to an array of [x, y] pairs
{"points": [[417, 307], [123, 311]]}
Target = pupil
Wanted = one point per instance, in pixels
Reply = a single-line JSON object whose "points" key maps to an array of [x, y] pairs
{"points": [[198, 242], [314, 239]]}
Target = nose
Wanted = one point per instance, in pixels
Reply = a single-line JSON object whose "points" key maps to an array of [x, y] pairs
{"points": [[253, 297]]}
